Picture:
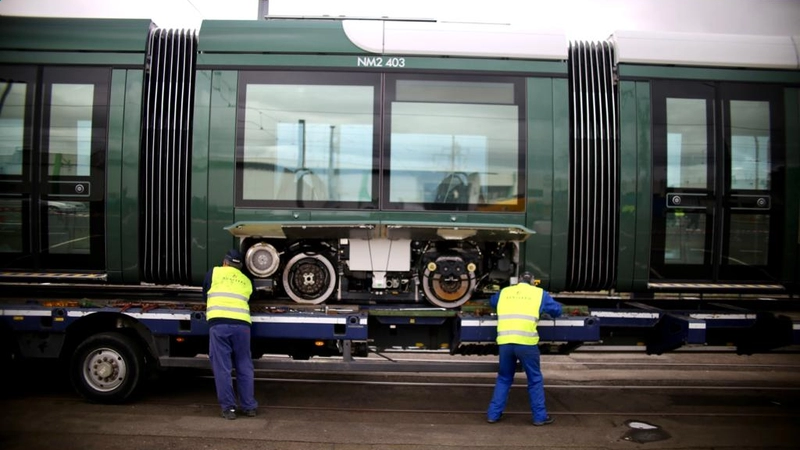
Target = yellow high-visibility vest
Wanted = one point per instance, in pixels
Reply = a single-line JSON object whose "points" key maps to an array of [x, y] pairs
{"points": [[229, 295], [518, 314]]}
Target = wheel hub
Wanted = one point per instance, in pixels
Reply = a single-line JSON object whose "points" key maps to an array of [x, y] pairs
{"points": [[449, 281], [309, 278], [104, 370]]}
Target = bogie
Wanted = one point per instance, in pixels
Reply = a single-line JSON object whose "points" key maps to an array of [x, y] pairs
{"points": [[445, 274]]}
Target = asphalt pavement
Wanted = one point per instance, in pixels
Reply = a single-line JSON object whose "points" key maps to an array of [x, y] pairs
{"points": [[672, 401]]}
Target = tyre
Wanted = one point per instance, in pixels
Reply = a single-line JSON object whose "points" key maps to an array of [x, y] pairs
{"points": [[107, 368]]}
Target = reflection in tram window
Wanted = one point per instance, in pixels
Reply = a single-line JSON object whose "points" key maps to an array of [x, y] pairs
{"points": [[685, 239], [687, 143], [68, 227], [749, 240], [308, 142], [12, 121], [71, 130], [468, 133], [10, 226], [454, 164], [750, 145]]}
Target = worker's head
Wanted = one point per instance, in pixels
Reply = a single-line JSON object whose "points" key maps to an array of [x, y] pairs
{"points": [[527, 277], [233, 258]]}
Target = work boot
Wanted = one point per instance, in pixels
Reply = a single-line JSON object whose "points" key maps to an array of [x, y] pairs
{"points": [[229, 414], [490, 420], [250, 412], [547, 421]]}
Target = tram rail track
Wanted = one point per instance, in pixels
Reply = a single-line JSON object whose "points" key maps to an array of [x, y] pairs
{"points": [[161, 402], [424, 380], [427, 411], [648, 364]]}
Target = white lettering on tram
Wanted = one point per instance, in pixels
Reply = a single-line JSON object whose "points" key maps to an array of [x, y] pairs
{"points": [[378, 61]]}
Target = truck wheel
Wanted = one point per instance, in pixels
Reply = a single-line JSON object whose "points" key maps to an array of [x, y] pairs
{"points": [[107, 367]]}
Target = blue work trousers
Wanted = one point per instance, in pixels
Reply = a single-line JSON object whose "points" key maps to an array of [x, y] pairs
{"points": [[528, 356], [229, 346]]}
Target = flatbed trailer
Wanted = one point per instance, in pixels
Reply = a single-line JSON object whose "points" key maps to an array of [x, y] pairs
{"points": [[110, 344]]}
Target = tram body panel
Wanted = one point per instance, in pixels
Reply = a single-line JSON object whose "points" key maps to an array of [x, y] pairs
{"points": [[307, 122]]}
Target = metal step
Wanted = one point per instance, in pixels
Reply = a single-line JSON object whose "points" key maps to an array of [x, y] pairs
{"points": [[59, 276], [716, 286]]}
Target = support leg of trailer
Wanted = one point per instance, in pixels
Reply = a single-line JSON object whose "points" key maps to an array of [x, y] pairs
{"points": [[769, 332], [347, 351], [674, 330]]}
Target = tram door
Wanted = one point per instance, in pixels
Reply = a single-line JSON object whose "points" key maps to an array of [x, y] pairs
{"points": [[717, 182], [52, 164]]}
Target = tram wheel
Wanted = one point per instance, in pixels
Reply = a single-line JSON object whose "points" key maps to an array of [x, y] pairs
{"points": [[447, 291], [309, 278]]}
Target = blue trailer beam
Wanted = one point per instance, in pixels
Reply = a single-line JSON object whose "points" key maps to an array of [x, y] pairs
{"points": [[663, 330], [311, 326], [666, 330], [476, 329]]}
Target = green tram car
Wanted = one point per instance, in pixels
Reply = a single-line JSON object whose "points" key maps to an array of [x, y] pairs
{"points": [[398, 162], [383, 178]]}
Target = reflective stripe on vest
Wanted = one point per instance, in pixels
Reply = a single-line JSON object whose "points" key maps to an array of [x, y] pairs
{"points": [[228, 296], [518, 314]]}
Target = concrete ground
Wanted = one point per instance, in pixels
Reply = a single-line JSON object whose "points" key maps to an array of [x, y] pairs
{"points": [[600, 401]]}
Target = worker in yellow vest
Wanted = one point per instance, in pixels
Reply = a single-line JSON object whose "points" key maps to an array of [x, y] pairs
{"points": [[519, 308], [227, 293]]}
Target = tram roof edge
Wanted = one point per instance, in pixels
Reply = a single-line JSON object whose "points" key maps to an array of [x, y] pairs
{"points": [[703, 49], [382, 37], [73, 34], [456, 39]]}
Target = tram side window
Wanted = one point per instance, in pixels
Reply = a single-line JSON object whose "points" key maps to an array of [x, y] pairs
{"points": [[750, 145], [750, 171], [70, 131], [70, 151], [12, 126], [687, 168], [12, 119], [306, 140], [455, 144]]}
